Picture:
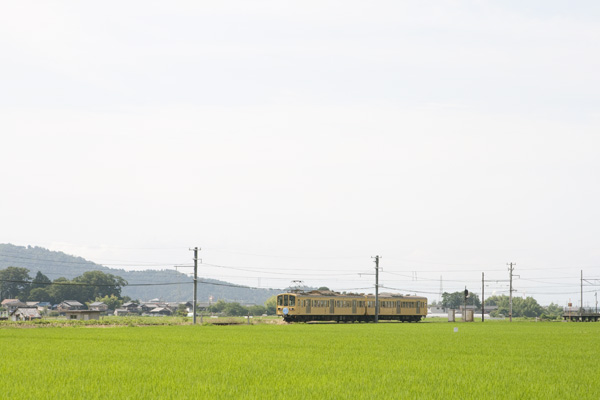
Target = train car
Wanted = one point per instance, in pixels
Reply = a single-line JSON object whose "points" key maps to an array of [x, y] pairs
{"points": [[397, 307], [326, 305]]}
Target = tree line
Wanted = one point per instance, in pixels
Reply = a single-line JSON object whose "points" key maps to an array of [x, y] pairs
{"points": [[522, 307], [16, 283], [236, 309]]}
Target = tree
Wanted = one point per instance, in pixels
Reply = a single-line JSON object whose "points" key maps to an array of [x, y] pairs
{"points": [[40, 281], [456, 300], [257, 310], [39, 294], [218, 307], [87, 287], [234, 310], [181, 310], [99, 284], [271, 305], [112, 301], [63, 289], [14, 283], [553, 311], [527, 307]]}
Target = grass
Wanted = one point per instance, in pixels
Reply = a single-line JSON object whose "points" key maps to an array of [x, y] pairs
{"points": [[519, 360], [136, 321]]}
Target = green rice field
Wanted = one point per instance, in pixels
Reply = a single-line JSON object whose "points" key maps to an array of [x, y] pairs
{"points": [[491, 360]]}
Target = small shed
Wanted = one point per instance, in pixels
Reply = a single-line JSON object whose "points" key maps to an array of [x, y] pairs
{"points": [[83, 315]]}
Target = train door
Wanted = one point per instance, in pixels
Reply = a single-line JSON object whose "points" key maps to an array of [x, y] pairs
{"points": [[331, 303], [398, 307], [308, 306], [418, 307], [353, 306]]}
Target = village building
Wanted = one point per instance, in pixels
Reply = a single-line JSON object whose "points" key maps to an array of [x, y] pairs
{"points": [[98, 306], [70, 305], [82, 315], [132, 307], [12, 304], [161, 311], [25, 314]]}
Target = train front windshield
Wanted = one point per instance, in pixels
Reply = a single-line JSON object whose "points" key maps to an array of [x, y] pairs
{"points": [[286, 300]]}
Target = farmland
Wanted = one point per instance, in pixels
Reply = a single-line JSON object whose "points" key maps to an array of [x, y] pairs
{"points": [[389, 360]]}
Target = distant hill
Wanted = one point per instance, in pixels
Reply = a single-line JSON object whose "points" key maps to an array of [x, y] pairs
{"points": [[56, 264]]}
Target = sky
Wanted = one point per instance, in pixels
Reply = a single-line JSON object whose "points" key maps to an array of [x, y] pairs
{"points": [[294, 141]]}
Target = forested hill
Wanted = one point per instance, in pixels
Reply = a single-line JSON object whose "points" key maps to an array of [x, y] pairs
{"points": [[55, 264]]}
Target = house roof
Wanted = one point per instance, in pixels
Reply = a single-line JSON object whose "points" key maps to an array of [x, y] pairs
{"points": [[97, 303], [72, 303], [160, 309], [10, 301]]}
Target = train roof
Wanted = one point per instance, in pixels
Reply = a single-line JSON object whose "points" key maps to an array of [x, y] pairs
{"points": [[321, 293]]}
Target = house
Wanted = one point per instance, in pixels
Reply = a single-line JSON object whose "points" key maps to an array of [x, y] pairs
{"points": [[147, 307], [70, 305], [133, 308], [161, 311], [25, 314], [82, 315], [12, 304], [98, 306]]}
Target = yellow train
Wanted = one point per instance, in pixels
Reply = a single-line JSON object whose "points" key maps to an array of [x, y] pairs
{"points": [[326, 305]]}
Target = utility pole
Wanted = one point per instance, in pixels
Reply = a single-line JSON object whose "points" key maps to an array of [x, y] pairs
{"points": [[376, 288], [464, 313], [482, 297], [195, 283], [581, 301], [596, 295], [510, 269]]}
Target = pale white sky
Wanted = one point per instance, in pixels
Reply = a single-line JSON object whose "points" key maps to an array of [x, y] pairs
{"points": [[295, 140]]}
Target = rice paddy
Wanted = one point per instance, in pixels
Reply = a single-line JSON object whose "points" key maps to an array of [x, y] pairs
{"points": [[501, 360]]}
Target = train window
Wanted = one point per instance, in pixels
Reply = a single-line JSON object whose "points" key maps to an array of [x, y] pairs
{"points": [[292, 301], [285, 299], [280, 300]]}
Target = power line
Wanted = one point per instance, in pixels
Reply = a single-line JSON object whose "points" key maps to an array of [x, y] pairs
{"points": [[132, 284]]}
